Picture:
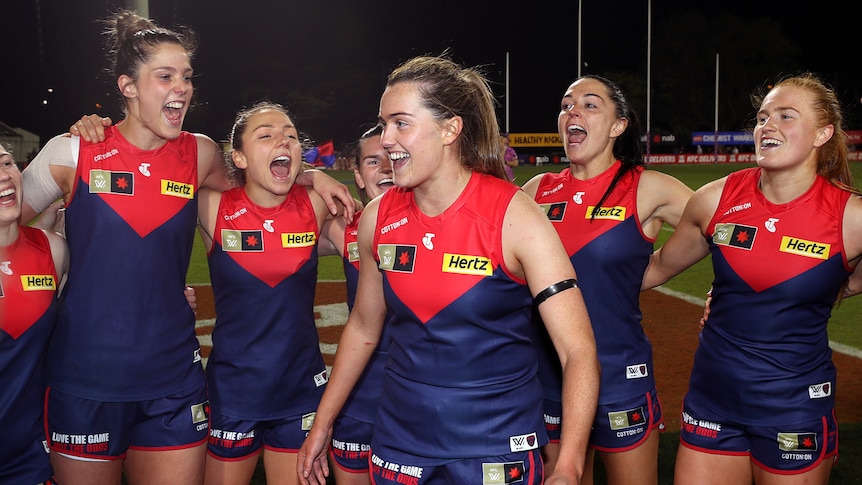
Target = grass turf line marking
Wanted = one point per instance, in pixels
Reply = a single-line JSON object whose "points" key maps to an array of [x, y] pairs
{"points": [[836, 346]]}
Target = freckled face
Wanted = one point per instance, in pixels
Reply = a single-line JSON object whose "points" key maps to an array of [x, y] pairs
{"points": [[786, 133]]}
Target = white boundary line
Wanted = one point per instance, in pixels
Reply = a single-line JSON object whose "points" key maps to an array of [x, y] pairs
{"points": [[682, 296], [836, 346]]}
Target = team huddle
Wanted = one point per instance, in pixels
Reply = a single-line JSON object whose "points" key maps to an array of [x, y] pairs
{"points": [[494, 333]]}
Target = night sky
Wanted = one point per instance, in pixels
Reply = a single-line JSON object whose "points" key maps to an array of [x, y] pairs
{"points": [[341, 52]]}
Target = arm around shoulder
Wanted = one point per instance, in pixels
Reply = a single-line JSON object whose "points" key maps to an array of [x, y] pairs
{"points": [[49, 176], [336, 194], [661, 198], [332, 227], [212, 170], [687, 245]]}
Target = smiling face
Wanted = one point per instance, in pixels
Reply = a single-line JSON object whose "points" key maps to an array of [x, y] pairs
{"points": [[270, 155], [786, 133], [588, 123], [374, 171], [10, 189], [414, 140], [159, 98]]}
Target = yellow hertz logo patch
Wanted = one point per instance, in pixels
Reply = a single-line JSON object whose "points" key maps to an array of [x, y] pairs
{"points": [[38, 282], [802, 247], [616, 213], [466, 264], [177, 189], [298, 239]]}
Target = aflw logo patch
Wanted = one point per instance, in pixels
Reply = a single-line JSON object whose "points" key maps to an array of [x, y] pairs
{"points": [[298, 239], [107, 182], [524, 442], [500, 473], [555, 212], [466, 264], [35, 282], [396, 257], [636, 371], [735, 235], [616, 213], [810, 249], [241, 241], [626, 419], [177, 189], [797, 441], [818, 391]]}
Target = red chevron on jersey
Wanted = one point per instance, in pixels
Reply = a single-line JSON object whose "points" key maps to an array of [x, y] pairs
{"points": [[27, 278], [765, 272], [767, 244], [571, 204], [447, 276], [452, 252], [254, 239], [128, 178]]}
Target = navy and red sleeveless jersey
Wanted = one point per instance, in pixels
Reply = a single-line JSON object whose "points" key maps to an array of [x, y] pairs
{"points": [[28, 313], [461, 379], [266, 361], [764, 356], [610, 253], [125, 330]]}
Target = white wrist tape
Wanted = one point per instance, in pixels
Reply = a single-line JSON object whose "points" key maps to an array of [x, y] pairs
{"points": [[40, 188]]}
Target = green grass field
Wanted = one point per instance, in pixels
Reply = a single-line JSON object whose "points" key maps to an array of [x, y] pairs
{"points": [[695, 281]]}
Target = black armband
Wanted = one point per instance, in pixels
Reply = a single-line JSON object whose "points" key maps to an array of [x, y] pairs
{"points": [[554, 289]]}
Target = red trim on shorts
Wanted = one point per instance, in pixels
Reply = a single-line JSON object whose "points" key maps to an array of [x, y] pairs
{"points": [[533, 473], [212, 455], [340, 467], [712, 452], [816, 464], [169, 448], [649, 429]]}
